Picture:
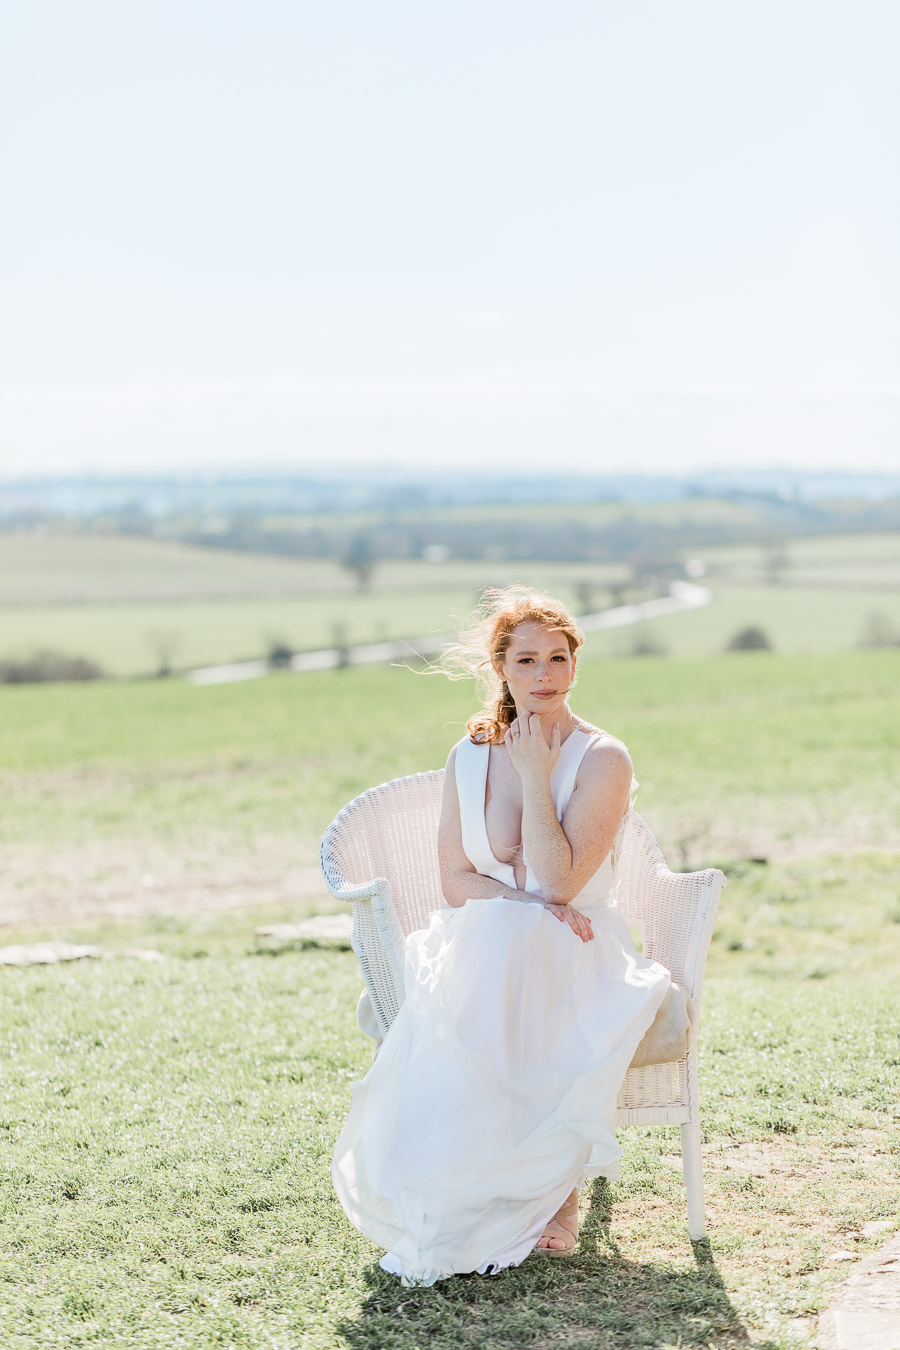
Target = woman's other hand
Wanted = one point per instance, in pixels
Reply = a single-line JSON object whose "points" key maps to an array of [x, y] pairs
{"points": [[528, 747], [579, 923]]}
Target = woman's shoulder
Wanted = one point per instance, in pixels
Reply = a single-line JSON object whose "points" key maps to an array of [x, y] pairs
{"points": [[605, 750], [599, 738]]}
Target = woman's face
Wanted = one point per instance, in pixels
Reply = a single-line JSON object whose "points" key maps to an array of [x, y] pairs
{"points": [[538, 667]]}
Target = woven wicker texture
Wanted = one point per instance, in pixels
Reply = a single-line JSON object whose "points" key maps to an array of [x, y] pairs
{"points": [[380, 852]]}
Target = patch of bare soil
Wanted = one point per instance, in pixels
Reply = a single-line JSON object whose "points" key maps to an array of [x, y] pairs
{"points": [[116, 880], [753, 1159], [777, 831]]}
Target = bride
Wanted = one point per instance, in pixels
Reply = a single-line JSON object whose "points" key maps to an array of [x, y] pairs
{"points": [[493, 1096]]}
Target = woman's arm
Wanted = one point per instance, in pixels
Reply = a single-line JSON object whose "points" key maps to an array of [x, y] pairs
{"points": [[565, 855], [459, 880]]}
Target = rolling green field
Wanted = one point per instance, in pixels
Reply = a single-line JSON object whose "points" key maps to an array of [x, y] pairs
{"points": [[167, 1124], [120, 600], [808, 619], [130, 604]]}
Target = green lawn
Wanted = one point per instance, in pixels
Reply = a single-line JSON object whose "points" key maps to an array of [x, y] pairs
{"points": [[167, 1130]]}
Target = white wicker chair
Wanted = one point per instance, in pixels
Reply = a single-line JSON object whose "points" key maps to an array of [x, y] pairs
{"points": [[380, 852]]}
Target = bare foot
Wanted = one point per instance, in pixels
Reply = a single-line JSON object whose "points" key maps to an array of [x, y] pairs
{"points": [[560, 1237]]}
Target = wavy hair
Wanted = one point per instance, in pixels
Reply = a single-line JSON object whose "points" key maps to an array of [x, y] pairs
{"points": [[485, 642]]}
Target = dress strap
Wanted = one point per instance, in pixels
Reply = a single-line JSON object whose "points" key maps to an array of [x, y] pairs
{"points": [[565, 770], [471, 784], [471, 788]]}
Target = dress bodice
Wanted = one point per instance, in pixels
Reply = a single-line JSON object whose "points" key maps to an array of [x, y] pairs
{"points": [[472, 762]]}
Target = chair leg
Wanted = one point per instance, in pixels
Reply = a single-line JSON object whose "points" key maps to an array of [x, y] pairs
{"points": [[692, 1162]]}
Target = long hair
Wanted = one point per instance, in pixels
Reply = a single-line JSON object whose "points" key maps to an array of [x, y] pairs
{"points": [[485, 643]]}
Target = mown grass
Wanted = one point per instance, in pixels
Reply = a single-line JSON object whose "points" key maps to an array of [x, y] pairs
{"points": [[167, 1130]]}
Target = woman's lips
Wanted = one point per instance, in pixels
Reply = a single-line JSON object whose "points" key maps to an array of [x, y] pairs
{"points": [[544, 693]]}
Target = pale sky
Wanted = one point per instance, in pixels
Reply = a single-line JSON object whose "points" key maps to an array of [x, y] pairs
{"points": [[600, 236]]}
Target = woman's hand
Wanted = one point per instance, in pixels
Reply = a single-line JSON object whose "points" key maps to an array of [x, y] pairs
{"points": [[579, 923], [528, 748]]}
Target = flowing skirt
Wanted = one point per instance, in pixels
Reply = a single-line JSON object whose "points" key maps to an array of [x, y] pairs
{"points": [[494, 1092]]}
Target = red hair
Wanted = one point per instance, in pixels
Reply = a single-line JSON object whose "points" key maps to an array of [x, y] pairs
{"points": [[484, 645]]}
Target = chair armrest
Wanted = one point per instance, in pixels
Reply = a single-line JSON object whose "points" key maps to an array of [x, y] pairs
{"points": [[377, 936], [342, 889], [333, 872]]}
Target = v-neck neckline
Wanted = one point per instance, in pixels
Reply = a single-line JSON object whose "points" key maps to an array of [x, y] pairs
{"points": [[485, 799]]}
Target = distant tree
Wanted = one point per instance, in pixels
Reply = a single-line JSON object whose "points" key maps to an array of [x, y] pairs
{"points": [[164, 643], [645, 644], [358, 559], [879, 631], [339, 636], [776, 561], [750, 640], [584, 592], [46, 667], [279, 653]]}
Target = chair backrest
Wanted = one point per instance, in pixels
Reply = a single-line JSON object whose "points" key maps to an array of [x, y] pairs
{"points": [[391, 832], [671, 909]]}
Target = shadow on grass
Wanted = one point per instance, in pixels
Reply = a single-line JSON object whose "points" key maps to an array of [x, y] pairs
{"points": [[597, 1298]]}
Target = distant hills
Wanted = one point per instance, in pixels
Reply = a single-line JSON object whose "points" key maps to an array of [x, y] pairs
{"points": [[24, 500]]}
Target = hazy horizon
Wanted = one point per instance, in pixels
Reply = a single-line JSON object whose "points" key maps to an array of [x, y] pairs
{"points": [[593, 240]]}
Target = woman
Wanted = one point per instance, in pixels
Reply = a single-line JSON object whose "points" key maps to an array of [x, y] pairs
{"points": [[493, 1096]]}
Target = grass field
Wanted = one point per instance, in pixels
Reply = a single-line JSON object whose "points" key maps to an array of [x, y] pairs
{"points": [[120, 600], [167, 1124], [124, 602], [87, 569], [167, 1130], [809, 619]]}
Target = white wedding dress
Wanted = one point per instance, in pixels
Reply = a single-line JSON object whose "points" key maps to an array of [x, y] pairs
{"points": [[494, 1092]]}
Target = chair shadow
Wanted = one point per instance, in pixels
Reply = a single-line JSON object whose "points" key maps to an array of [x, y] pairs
{"points": [[598, 1299]]}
